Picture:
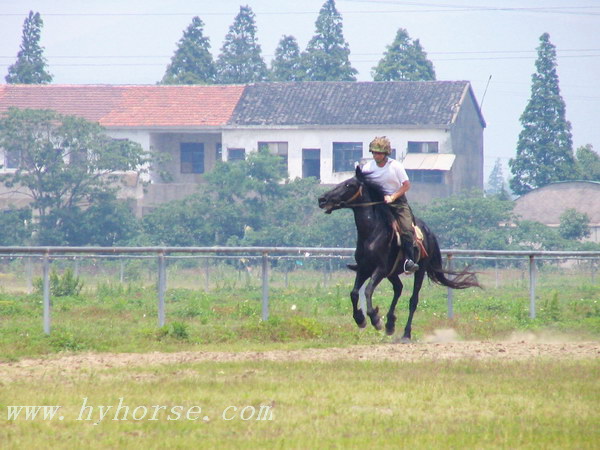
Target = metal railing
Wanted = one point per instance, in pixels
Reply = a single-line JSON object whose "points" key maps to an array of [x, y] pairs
{"points": [[162, 253]]}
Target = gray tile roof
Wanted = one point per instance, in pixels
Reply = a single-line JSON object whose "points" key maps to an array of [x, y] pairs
{"points": [[547, 203], [419, 103]]}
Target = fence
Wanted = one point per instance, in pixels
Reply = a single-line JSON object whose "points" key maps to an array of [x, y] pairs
{"points": [[265, 254]]}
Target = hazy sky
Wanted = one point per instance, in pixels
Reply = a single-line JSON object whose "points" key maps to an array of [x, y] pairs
{"points": [[132, 41]]}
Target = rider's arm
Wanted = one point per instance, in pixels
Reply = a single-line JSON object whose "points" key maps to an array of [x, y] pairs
{"points": [[399, 193]]}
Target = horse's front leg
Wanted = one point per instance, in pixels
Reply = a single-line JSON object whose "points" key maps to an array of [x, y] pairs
{"points": [[357, 313], [373, 313], [390, 324]]}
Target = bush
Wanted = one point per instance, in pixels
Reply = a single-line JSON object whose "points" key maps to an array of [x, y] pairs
{"points": [[61, 286]]}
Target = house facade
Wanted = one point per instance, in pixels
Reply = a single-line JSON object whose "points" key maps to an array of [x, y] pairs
{"points": [[321, 129]]}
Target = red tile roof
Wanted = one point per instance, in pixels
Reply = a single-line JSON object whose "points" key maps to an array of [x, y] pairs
{"points": [[130, 106]]}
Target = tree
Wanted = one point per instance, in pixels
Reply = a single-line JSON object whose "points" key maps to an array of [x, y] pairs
{"points": [[66, 164], [287, 64], [233, 199], [470, 221], [574, 225], [404, 60], [106, 222], [192, 62], [327, 55], [545, 147], [15, 226], [240, 60], [30, 67], [496, 182], [588, 163]]}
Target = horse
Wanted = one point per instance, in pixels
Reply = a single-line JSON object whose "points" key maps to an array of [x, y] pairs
{"points": [[378, 253]]}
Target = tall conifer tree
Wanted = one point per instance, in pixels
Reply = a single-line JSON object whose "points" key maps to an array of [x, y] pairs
{"points": [[327, 55], [240, 60], [192, 62], [545, 145], [404, 60], [287, 64], [30, 67]]}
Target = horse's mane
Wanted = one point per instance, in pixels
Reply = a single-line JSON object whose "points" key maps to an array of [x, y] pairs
{"points": [[376, 194]]}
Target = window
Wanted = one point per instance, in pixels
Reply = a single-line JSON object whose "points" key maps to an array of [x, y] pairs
{"points": [[192, 157], [422, 147], [12, 159], [345, 154], [426, 176], [311, 163], [276, 148], [236, 154]]}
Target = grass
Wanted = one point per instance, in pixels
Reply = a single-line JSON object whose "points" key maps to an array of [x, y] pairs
{"points": [[309, 312], [342, 404]]}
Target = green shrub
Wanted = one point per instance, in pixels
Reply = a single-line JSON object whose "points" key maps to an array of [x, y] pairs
{"points": [[175, 330], [61, 286]]}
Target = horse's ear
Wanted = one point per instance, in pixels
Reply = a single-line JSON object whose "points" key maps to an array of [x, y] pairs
{"points": [[358, 172]]}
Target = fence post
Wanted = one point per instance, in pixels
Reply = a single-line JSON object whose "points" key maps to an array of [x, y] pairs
{"points": [[206, 274], [532, 281], [29, 275], [162, 284], [450, 292], [265, 286], [46, 292]]}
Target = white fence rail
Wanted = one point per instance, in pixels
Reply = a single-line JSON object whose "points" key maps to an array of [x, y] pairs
{"points": [[161, 253]]}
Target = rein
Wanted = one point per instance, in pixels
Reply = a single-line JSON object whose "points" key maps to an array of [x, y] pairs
{"points": [[358, 194]]}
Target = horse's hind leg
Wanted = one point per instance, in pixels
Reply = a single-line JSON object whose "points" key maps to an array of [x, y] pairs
{"points": [[414, 301], [390, 324], [357, 313], [373, 313]]}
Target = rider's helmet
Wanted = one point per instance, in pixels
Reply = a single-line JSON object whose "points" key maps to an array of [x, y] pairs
{"points": [[380, 144]]}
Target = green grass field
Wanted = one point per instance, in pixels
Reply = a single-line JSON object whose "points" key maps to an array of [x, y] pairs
{"points": [[455, 403], [351, 404], [310, 311]]}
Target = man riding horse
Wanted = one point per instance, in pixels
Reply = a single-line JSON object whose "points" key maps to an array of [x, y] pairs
{"points": [[391, 176]]}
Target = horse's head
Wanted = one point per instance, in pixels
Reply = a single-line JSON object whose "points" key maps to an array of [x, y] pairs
{"points": [[342, 194]]}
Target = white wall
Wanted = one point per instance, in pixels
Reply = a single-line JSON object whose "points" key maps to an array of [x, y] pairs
{"points": [[323, 139]]}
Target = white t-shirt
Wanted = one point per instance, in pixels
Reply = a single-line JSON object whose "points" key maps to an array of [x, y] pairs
{"points": [[390, 177]]}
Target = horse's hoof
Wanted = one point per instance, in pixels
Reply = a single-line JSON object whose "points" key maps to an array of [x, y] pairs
{"points": [[363, 324], [379, 325], [405, 340], [390, 331]]}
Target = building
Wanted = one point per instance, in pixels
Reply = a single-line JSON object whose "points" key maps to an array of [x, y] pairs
{"points": [[320, 128], [548, 203]]}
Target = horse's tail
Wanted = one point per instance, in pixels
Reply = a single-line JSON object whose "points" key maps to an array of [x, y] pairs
{"points": [[450, 278]]}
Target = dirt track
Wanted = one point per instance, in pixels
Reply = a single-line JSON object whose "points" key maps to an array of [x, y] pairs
{"points": [[435, 349]]}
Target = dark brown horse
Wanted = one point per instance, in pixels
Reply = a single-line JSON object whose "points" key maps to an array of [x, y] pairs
{"points": [[379, 256]]}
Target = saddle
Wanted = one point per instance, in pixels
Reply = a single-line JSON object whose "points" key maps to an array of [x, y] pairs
{"points": [[421, 252]]}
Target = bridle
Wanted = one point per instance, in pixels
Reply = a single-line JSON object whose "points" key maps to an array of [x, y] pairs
{"points": [[348, 203]]}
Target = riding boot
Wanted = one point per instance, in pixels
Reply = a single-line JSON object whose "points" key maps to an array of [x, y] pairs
{"points": [[410, 266]]}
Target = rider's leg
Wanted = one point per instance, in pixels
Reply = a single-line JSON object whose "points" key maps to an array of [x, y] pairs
{"points": [[410, 266], [405, 219]]}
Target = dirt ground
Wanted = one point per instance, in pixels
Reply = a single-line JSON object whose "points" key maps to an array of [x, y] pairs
{"points": [[440, 346]]}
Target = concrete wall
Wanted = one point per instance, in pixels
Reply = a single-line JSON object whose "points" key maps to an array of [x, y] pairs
{"points": [[323, 139], [467, 144]]}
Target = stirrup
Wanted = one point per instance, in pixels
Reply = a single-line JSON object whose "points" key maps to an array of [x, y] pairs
{"points": [[410, 266]]}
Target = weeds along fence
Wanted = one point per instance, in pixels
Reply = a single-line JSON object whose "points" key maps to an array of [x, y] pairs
{"points": [[214, 266]]}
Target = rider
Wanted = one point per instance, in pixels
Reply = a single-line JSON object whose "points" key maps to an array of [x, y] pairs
{"points": [[391, 176]]}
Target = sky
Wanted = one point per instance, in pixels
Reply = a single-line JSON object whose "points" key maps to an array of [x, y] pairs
{"points": [[491, 43]]}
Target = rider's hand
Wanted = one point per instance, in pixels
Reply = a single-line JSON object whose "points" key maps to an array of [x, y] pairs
{"points": [[388, 199]]}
